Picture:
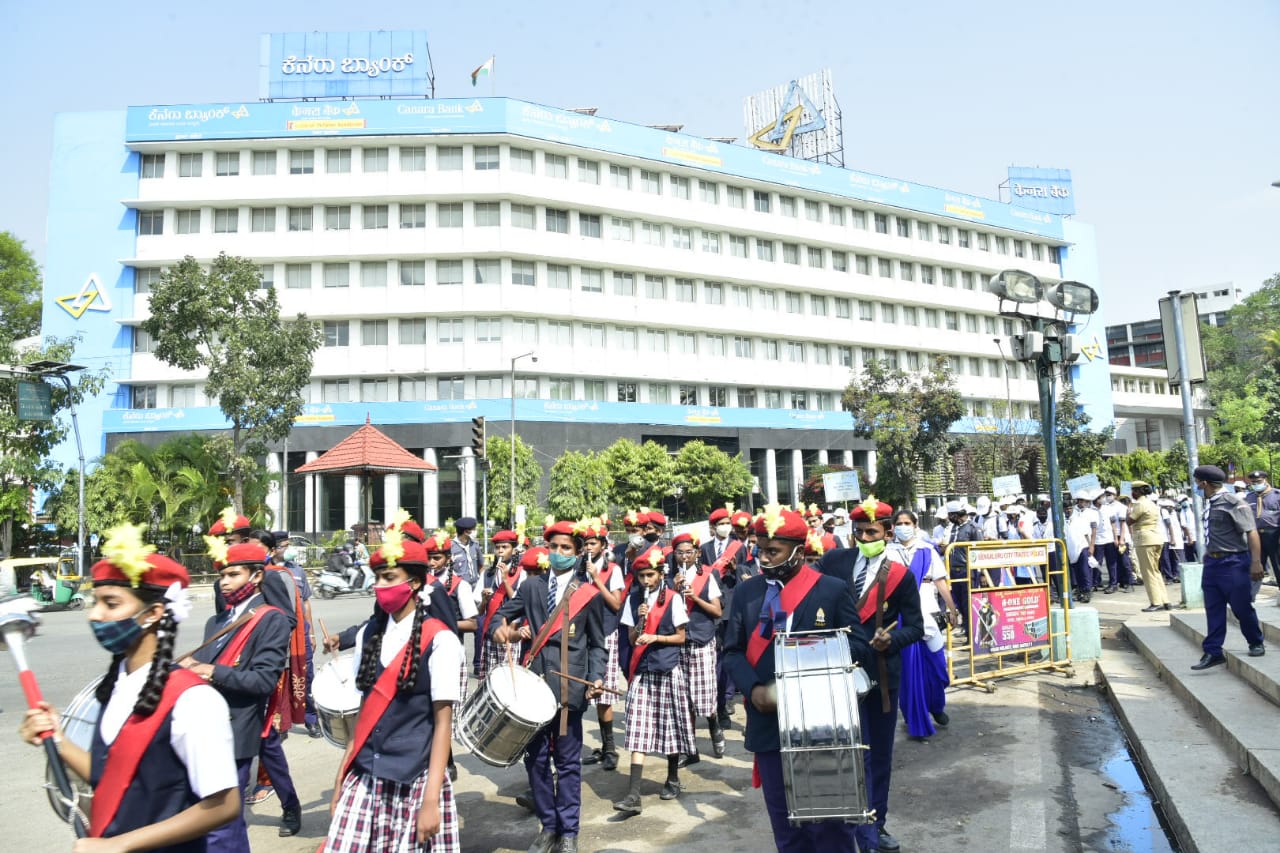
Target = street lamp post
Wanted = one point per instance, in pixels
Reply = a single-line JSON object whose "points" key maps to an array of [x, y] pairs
{"points": [[511, 507]]}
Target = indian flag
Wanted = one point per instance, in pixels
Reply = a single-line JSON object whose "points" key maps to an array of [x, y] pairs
{"points": [[483, 70]]}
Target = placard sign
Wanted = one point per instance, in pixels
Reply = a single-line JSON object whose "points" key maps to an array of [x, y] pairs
{"points": [[1083, 486], [841, 486], [1007, 485]]}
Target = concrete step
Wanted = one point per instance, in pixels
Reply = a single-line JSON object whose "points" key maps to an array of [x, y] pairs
{"points": [[1263, 673], [1211, 804], [1268, 616], [1225, 704]]}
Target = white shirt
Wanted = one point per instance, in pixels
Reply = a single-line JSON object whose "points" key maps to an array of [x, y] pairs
{"points": [[873, 569], [478, 592], [1106, 535], [1172, 527], [442, 665], [199, 730], [562, 582], [713, 588], [675, 606], [615, 578]]}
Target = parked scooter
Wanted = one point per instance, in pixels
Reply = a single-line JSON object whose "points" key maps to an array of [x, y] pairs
{"points": [[334, 579]]}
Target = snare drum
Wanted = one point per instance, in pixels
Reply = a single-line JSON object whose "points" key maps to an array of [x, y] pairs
{"points": [[337, 699], [79, 721], [497, 721], [822, 752]]}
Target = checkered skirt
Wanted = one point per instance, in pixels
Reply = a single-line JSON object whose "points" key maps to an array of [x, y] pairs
{"points": [[658, 718], [699, 665], [612, 673], [495, 656], [380, 816], [464, 682]]}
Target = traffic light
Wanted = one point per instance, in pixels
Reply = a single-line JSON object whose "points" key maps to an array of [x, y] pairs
{"points": [[477, 437]]}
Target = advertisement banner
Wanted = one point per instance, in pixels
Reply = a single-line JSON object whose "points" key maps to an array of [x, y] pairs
{"points": [[1042, 189], [385, 63], [1009, 620]]}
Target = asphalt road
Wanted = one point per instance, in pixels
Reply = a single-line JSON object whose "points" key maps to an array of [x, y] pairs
{"points": [[1030, 767]]}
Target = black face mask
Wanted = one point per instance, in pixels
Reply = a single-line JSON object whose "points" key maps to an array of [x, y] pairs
{"points": [[651, 537], [784, 570]]}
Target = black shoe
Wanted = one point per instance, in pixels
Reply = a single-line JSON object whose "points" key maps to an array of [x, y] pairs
{"points": [[1257, 651], [568, 844], [525, 801], [594, 758], [313, 729], [1153, 608], [1208, 660], [725, 720], [717, 745], [630, 804], [1167, 607], [610, 760], [1109, 589], [290, 822], [1127, 588], [453, 772], [686, 760], [888, 844], [1085, 598], [670, 790], [941, 719], [544, 843]]}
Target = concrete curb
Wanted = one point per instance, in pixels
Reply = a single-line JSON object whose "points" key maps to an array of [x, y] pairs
{"points": [[1195, 780]]}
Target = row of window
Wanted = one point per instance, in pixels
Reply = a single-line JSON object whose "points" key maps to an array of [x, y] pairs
{"points": [[1130, 385], [451, 158]]}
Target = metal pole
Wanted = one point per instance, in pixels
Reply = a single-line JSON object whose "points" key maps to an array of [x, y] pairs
{"points": [[484, 516], [1188, 417], [511, 507], [284, 486], [75, 426]]}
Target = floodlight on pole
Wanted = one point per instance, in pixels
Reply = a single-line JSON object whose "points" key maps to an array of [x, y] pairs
{"points": [[1016, 286], [1073, 297]]}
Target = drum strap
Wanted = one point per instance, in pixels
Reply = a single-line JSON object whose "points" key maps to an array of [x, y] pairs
{"points": [[382, 694], [127, 750], [575, 598], [793, 593], [564, 682], [882, 665]]}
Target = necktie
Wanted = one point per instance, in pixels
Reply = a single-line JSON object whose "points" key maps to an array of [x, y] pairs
{"points": [[769, 610], [719, 548], [863, 563], [551, 592]]}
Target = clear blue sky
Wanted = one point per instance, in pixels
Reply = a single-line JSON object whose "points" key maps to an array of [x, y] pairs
{"points": [[1166, 112]]}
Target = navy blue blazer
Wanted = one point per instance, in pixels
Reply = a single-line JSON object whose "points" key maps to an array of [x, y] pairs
{"points": [[828, 595], [903, 603]]}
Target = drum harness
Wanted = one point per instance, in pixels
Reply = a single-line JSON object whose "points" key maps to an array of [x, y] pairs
{"points": [[540, 642], [882, 666]]}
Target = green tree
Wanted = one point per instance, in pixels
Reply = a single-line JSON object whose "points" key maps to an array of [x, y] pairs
{"points": [[643, 474], [814, 492], [223, 321], [708, 477], [907, 415], [580, 486], [20, 286], [528, 479], [26, 447], [1080, 449]]}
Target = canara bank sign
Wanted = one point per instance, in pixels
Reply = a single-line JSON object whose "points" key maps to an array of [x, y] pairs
{"points": [[1047, 190], [385, 63]]}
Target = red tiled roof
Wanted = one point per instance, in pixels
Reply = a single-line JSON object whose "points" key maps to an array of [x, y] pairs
{"points": [[366, 450]]}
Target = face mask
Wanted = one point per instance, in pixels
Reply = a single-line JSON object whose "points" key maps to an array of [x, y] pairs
{"points": [[291, 555], [722, 530], [563, 562], [871, 549], [119, 636], [903, 532], [392, 599], [1258, 487], [241, 595], [636, 540], [780, 571], [651, 537]]}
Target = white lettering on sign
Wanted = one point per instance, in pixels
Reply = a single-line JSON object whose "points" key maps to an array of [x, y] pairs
{"points": [[309, 64], [1041, 191], [1000, 558]]}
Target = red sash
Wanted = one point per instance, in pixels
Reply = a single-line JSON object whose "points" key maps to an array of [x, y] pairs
{"points": [[793, 592], [291, 691], [698, 584], [870, 599], [495, 600], [127, 750], [384, 692], [651, 621], [728, 557], [231, 654], [580, 598], [453, 585]]}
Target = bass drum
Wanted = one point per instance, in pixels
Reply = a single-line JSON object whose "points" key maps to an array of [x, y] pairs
{"points": [[79, 721], [497, 722], [337, 699]]}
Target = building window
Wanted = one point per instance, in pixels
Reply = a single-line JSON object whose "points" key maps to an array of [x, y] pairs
{"points": [[746, 398], [190, 165], [620, 176], [486, 158], [660, 393], [226, 164], [863, 264], [488, 271], [818, 306], [685, 290], [524, 273], [795, 352], [297, 276], [737, 246], [144, 396], [557, 221], [488, 387], [525, 331], [337, 161], [926, 274], [984, 242], [904, 226], [822, 354], [488, 330], [865, 311], [799, 399], [651, 234], [264, 162], [412, 332], [373, 333], [1037, 252], [681, 238], [772, 350], [145, 279], [560, 333], [737, 197], [589, 225], [375, 217], [487, 214], [337, 333], [882, 223], [150, 223], [962, 238], [952, 321], [413, 158], [374, 159], [151, 166], [187, 222], [844, 308], [556, 165], [740, 296], [1002, 245], [589, 172], [931, 318], [337, 218], [449, 158], [713, 293], [592, 335], [944, 234], [687, 343], [813, 211], [948, 277], [624, 284], [449, 331], [450, 388], [790, 253], [621, 229], [906, 271], [302, 162], [688, 395], [335, 391], [413, 273], [884, 267], [709, 192], [844, 356], [768, 299], [858, 219], [522, 160], [650, 182], [413, 389], [910, 315], [449, 272], [413, 216], [143, 342], [814, 257], [300, 218], [626, 338], [557, 277], [337, 275], [795, 303], [656, 340], [447, 215], [524, 216], [1148, 434], [591, 280], [762, 201], [373, 390], [626, 392], [836, 214], [267, 272], [742, 347]]}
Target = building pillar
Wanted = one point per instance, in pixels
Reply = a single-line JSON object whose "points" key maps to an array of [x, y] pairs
{"points": [[797, 474], [467, 470], [390, 496], [871, 470], [275, 491], [824, 457], [430, 493], [770, 476], [311, 500], [351, 508], [847, 458]]}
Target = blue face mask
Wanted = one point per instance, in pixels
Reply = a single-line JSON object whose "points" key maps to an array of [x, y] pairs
{"points": [[903, 532], [118, 636], [563, 562]]}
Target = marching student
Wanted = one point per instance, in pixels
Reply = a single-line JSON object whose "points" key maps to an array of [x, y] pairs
{"points": [[439, 548], [561, 617], [607, 577], [702, 601], [392, 791], [658, 718], [501, 580], [245, 665], [161, 764]]}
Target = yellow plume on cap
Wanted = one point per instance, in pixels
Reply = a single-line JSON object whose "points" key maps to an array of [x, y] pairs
{"points": [[728, 507], [228, 517], [393, 544], [548, 520], [217, 547], [125, 550], [401, 516], [869, 506], [544, 561], [815, 543], [773, 518]]}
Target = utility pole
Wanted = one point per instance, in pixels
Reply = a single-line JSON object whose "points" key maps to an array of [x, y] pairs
{"points": [[1188, 416]]}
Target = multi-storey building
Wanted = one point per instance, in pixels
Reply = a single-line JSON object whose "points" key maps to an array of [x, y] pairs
{"points": [[670, 286]]}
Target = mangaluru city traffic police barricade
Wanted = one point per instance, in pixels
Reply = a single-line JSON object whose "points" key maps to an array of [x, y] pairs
{"points": [[1007, 589]]}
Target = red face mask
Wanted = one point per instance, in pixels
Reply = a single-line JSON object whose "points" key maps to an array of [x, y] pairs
{"points": [[392, 599]]}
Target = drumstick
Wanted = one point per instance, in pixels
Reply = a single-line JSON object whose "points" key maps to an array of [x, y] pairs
{"points": [[589, 683], [324, 632]]}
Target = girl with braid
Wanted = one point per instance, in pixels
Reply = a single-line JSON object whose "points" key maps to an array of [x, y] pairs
{"points": [[392, 792], [161, 763]]}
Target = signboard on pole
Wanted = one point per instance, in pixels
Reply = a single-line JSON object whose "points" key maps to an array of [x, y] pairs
{"points": [[1010, 484], [841, 486], [1082, 486], [34, 402], [1191, 334]]}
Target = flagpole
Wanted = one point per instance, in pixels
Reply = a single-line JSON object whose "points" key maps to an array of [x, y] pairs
{"points": [[493, 70]]}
